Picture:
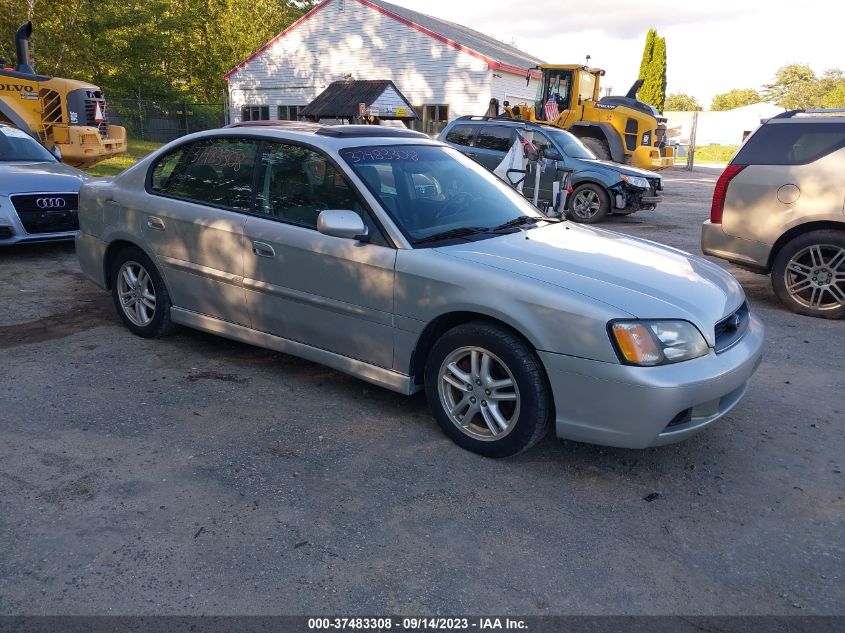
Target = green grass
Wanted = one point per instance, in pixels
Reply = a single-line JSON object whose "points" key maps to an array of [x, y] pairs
{"points": [[136, 150], [714, 153]]}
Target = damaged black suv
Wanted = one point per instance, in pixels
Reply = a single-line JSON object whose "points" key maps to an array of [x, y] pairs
{"points": [[598, 187]]}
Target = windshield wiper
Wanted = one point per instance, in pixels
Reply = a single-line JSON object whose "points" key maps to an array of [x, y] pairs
{"points": [[463, 231], [522, 220]]}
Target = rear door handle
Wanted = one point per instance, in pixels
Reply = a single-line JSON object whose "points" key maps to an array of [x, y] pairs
{"points": [[156, 224], [263, 250]]}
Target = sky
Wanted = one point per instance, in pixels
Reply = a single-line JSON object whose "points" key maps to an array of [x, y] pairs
{"points": [[712, 45]]}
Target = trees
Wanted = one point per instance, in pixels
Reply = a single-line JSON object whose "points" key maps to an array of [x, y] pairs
{"points": [[796, 87], [653, 70], [678, 101], [735, 99], [169, 49]]}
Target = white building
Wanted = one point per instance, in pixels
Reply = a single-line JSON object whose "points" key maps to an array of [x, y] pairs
{"points": [[725, 127], [444, 69]]}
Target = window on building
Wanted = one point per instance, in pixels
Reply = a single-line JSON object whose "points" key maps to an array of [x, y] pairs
{"points": [[434, 118], [215, 171], [289, 112], [255, 113]]}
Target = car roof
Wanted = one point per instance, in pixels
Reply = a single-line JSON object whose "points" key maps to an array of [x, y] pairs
{"points": [[325, 136], [486, 120]]}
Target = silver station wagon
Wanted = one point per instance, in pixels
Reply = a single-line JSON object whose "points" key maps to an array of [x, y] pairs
{"points": [[396, 259]]}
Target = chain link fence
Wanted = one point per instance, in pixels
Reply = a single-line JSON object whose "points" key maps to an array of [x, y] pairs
{"points": [[163, 121]]}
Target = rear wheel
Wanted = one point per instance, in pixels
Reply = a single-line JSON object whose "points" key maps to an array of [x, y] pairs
{"points": [[808, 275], [487, 390], [598, 147], [588, 204], [139, 294]]}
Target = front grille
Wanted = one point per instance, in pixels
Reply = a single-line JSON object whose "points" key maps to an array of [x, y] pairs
{"points": [[730, 329], [90, 115], [48, 212]]}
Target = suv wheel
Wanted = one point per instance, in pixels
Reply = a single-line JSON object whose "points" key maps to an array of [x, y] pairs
{"points": [[808, 275], [139, 294], [487, 390], [589, 204]]}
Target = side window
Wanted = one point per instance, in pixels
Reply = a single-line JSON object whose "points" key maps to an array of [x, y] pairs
{"points": [[495, 137], [214, 171], [296, 183], [461, 135], [542, 142], [791, 143]]}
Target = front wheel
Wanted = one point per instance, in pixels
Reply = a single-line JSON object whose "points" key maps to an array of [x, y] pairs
{"points": [[589, 204], [487, 390], [808, 274]]}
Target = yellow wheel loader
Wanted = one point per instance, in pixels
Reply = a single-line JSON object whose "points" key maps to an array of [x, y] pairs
{"points": [[61, 113], [621, 129]]}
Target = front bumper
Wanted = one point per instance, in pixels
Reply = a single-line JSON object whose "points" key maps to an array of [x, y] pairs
{"points": [[12, 230], [748, 253], [638, 407]]}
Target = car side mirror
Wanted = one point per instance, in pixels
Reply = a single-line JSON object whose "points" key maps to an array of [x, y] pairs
{"points": [[341, 223], [552, 154], [55, 151]]}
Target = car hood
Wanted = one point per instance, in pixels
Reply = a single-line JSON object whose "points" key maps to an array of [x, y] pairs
{"points": [[622, 169], [39, 178], [637, 277]]}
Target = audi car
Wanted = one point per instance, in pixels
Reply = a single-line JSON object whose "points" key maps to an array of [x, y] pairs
{"points": [[38, 193], [395, 258]]}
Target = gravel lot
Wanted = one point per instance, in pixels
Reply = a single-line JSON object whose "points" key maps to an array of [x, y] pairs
{"points": [[196, 475]]}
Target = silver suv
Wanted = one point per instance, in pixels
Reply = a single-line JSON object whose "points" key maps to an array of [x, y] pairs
{"points": [[399, 260], [779, 208]]}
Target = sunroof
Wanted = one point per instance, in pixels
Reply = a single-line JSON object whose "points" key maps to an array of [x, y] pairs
{"points": [[367, 131]]}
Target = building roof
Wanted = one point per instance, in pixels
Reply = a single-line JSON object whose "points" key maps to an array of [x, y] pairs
{"points": [[341, 98], [466, 37], [497, 54]]}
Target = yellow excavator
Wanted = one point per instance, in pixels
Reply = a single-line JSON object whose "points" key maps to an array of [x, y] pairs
{"points": [[621, 129], [63, 114]]}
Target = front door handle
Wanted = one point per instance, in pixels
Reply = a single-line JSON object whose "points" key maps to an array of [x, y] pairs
{"points": [[156, 224], [263, 250]]}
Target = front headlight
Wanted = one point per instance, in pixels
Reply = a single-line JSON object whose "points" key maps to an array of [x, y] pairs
{"points": [[650, 343], [635, 181]]}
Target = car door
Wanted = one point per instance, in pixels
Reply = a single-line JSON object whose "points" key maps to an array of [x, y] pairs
{"points": [[194, 224], [331, 293], [492, 143]]}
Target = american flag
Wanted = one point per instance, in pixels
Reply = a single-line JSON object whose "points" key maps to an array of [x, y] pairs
{"points": [[551, 110], [527, 146]]}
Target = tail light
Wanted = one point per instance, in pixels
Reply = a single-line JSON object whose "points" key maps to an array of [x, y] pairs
{"points": [[717, 207]]}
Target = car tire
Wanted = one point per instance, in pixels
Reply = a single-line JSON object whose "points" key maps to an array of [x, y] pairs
{"points": [[139, 294], [598, 147], [505, 391], [588, 204], [808, 275]]}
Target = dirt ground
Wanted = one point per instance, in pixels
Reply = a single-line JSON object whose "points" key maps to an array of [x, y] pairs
{"points": [[195, 475]]}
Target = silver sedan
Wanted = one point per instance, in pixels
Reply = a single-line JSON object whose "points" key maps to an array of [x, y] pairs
{"points": [[398, 260]]}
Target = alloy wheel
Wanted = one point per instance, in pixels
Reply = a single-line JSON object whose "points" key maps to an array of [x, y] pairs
{"points": [[815, 277], [137, 293], [478, 393], [586, 204]]}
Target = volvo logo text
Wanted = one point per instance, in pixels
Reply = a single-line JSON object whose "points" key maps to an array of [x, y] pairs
{"points": [[51, 203]]}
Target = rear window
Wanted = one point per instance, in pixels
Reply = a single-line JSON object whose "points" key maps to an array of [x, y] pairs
{"points": [[495, 137], [791, 144], [460, 134]]}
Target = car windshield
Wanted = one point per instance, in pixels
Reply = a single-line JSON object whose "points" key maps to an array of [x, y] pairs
{"points": [[431, 191], [571, 145], [19, 146]]}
